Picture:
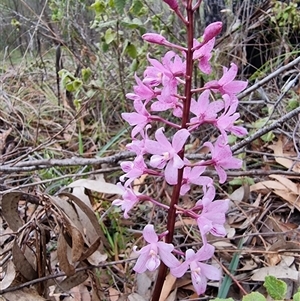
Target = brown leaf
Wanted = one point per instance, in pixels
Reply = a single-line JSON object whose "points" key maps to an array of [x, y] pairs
{"points": [[91, 223], [293, 187], [167, 287], [77, 244], [23, 295], [3, 137], [68, 208], [62, 255], [283, 159], [71, 281], [10, 202], [92, 249], [21, 263], [9, 275]]}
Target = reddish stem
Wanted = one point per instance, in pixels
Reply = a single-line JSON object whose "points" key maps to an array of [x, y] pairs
{"points": [[185, 118]]}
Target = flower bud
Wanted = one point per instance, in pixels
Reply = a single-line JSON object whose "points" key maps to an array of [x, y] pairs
{"points": [[172, 3], [211, 31], [154, 38]]}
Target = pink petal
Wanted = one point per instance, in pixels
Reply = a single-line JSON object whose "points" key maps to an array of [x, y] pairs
{"points": [[149, 234], [199, 283], [206, 252], [153, 263], [179, 139], [210, 271], [229, 75], [159, 106], [221, 173], [140, 266], [180, 270], [154, 148], [165, 254], [158, 161], [184, 189], [235, 86], [171, 173], [162, 139]]}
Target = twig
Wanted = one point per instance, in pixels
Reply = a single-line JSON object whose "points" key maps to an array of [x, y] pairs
{"points": [[74, 161], [269, 77], [266, 129], [62, 274]]}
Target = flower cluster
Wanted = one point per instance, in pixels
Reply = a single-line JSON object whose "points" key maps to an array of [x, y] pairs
{"points": [[159, 91]]}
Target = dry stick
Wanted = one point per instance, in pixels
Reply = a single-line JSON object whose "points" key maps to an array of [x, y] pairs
{"points": [[74, 161], [265, 130], [269, 77], [62, 274]]}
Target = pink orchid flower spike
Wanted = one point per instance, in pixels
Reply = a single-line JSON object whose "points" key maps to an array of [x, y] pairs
{"points": [[166, 153], [151, 255], [200, 271]]}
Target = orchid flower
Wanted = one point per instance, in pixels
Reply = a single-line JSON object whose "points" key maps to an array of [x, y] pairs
{"points": [[222, 158], [151, 255], [128, 201], [212, 217], [166, 153], [200, 271], [226, 84]]}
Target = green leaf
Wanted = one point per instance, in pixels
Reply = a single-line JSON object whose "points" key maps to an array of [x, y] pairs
{"points": [[136, 7], [132, 24], [276, 288], [134, 65], [86, 74], [109, 36], [98, 7], [131, 50], [74, 85], [227, 281], [296, 297], [268, 137], [254, 296], [120, 5]]}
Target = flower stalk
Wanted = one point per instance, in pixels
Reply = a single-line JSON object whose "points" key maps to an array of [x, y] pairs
{"points": [[158, 92]]}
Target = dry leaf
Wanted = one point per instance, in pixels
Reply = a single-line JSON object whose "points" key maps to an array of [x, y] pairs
{"points": [[98, 186], [71, 281], [62, 255], [10, 202], [9, 275], [135, 297], [77, 244], [287, 183], [277, 147], [167, 287], [23, 295], [21, 263], [89, 220], [276, 271]]}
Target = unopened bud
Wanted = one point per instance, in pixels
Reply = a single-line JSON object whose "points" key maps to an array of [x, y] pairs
{"points": [[154, 38], [172, 3], [211, 31]]}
